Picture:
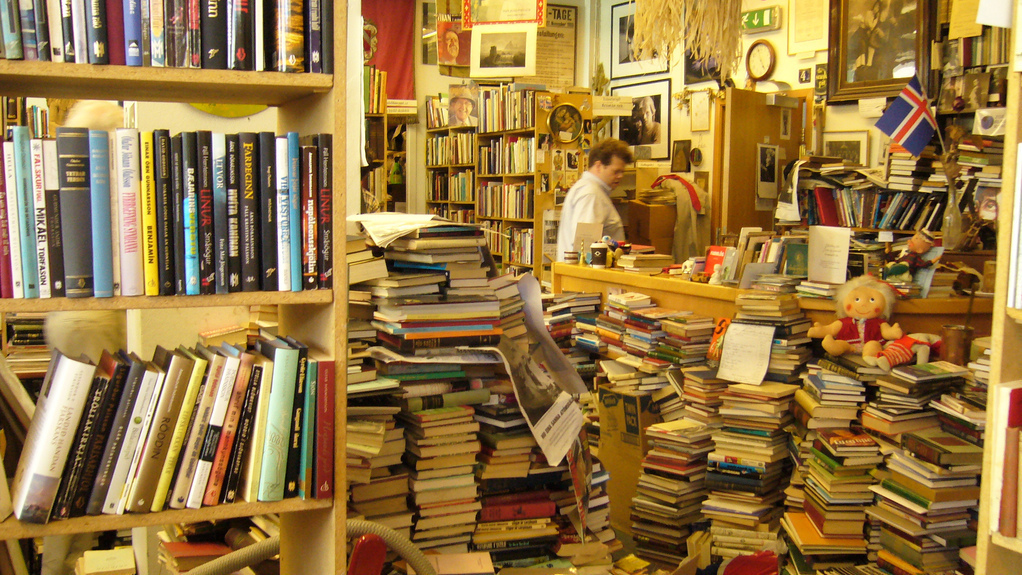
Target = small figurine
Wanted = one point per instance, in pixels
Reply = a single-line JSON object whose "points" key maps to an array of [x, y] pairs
{"points": [[911, 258], [863, 306], [904, 349]]}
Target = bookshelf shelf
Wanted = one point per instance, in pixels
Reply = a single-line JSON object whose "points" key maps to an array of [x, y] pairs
{"points": [[1014, 313], [14, 529], [1010, 543], [516, 131], [162, 302], [78, 81]]}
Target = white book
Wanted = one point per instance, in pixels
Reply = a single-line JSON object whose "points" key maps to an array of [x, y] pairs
{"points": [[80, 39], [196, 435], [48, 439], [225, 388], [283, 218], [119, 478], [254, 457], [56, 28], [13, 224], [42, 253], [115, 217], [129, 204], [260, 40]]}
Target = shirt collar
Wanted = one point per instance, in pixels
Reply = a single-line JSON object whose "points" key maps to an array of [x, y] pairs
{"points": [[603, 185]]}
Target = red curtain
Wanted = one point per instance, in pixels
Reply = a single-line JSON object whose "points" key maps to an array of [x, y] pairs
{"points": [[389, 43]]}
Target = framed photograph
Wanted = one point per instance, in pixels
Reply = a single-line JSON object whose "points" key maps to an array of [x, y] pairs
{"points": [[785, 123], [700, 71], [503, 12], [622, 63], [679, 155], [699, 111], [807, 26], [503, 50], [565, 123], [852, 147], [647, 129], [766, 171], [453, 43], [876, 46], [461, 107]]}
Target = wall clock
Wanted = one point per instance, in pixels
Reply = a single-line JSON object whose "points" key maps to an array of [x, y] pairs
{"points": [[760, 60]]}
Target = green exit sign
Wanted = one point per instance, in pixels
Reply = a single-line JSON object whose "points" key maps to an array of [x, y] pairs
{"points": [[761, 20]]}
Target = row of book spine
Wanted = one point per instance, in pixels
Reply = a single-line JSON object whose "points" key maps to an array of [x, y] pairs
{"points": [[196, 213], [456, 148], [511, 200], [188, 428], [457, 187], [506, 107], [887, 210], [282, 35], [508, 155]]}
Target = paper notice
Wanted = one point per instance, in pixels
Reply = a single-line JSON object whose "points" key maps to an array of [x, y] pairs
{"points": [[746, 353], [963, 19], [995, 13], [828, 250]]}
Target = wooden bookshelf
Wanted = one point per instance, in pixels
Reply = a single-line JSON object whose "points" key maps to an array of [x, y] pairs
{"points": [[312, 531], [445, 167]]}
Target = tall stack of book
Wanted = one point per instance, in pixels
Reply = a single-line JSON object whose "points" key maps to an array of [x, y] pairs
{"points": [[702, 391], [512, 307], [611, 323], [922, 173], [669, 399], [671, 489], [749, 464], [686, 339], [584, 308], [790, 350], [902, 398], [828, 400], [983, 157], [925, 500]]}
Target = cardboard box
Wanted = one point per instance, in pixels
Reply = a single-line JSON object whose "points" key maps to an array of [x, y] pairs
{"points": [[624, 417], [651, 224]]}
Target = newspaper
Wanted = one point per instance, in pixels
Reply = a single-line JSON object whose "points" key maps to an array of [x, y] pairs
{"points": [[563, 373], [466, 355], [385, 227]]}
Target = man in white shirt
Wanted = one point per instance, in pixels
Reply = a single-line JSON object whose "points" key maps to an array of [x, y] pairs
{"points": [[588, 201]]}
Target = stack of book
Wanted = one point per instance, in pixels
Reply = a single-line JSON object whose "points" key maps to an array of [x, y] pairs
{"points": [[980, 367], [584, 308], [702, 391], [902, 398], [671, 488], [790, 350], [442, 450], [384, 499], [363, 264], [512, 307], [810, 552], [925, 501], [533, 507], [670, 403], [748, 466], [828, 400], [836, 494], [815, 289], [686, 341], [983, 157], [597, 510], [922, 173], [649, 264], [628, 373]]}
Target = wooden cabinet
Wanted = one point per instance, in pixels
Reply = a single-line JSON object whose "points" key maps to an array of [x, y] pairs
{"points": [[313, 536]]}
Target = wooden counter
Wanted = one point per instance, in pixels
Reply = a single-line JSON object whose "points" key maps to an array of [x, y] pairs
{"points": [[914, 315]]}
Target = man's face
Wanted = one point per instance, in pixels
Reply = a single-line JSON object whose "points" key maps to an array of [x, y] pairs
{"points": [[643, 113], [612, 173], [452, 43], [461, 108]]}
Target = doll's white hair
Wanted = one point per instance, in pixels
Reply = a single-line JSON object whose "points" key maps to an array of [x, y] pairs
{"points": [[865, 281]]}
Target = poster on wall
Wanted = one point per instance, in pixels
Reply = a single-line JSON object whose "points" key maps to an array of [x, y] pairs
{"points": [[808, 22], [556, 42], [766, 170], [503, 12], [454, 44], [503, 50]]}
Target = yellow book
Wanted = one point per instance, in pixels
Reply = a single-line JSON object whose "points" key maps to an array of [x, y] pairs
{"points": [[150, 261], [180, 428]]}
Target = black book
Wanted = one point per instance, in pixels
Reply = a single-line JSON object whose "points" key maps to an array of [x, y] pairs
{"points": [[164, 211], [324, 225], [309, 218], [313, 36], [115, 437], [242, 438], [80, 445], [249, 233], [293, 470], [232, 179], [177, 200], [287, 43], [193, 24], [268, 210], [240, 38], [214, 34], [116, 369], [67, 26], [175, 33], [42, 29], [206, 245], [95, 32], [544, 541], [54, 239], [327, 22], [76, 203]]}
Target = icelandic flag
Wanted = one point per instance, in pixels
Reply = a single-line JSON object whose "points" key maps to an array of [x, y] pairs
{"points": [[909, 121]]}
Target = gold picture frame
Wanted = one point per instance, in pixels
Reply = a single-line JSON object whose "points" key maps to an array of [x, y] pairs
{"points": [[565, 123]]}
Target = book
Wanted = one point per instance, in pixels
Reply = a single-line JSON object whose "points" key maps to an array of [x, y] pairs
{"points": [[148, 196], [25, 210], [240, 32], [279, 411], [177, 200], [42, 252], [323, 472], [232, 184], [283, 208], [294, 193], [205, 242], [192, 448], [220, 237], [12, 249], [249, 202], [253, 463], [224, 391], [226, 442], [941, 448], [324, 203], [190, 213], [213, 29], [165, 223], [76, 206], [268, 206], [127, 186], [294, 443], [309, 218], [48, 440], [243, 436]]}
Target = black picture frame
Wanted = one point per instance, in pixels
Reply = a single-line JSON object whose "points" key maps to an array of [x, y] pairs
{"points": [[873, 52], [655, 145], [622, 63]]}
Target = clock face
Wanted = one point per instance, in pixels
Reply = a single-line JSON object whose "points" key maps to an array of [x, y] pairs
{"points": [[760, 60]]}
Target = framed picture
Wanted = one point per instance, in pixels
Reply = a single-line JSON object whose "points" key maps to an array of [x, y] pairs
{"points": [[622, 62], [647, 129], [877, 45], [565, 123], [807, 26], [700, 71], [766, 171], [699, 111], [679, 155], [503, 12], [503, 50], [852, 147], [453, 43]]}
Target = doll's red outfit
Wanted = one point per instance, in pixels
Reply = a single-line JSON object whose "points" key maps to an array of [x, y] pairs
{"points": [[858, 331]]}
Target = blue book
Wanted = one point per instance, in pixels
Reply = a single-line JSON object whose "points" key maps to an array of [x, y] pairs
{"points": [[278, 419], [26, 210], [102, 234], [10, 29], [29, 44], [220, 210], [189, 212], [132, 32], [294, 185], [308, 446]]}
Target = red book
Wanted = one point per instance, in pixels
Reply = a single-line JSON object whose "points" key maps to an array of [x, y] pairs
{"points": [[222, 457], [324, 471], [714, 257], [115, 32], [520, 497], [827, 207], [511, 511], [6, 277]]}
